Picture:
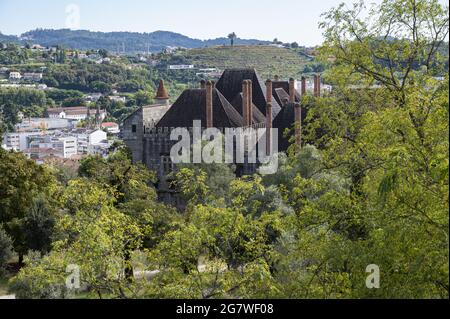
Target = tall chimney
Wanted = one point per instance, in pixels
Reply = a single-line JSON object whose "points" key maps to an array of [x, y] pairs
{"points": [[203, 84], [250, 102], [213, 84], [317, 85], [245, 100], [298, 125], [291, 90], [269, 121], [303, 85], [269, 91], [209, 105]]}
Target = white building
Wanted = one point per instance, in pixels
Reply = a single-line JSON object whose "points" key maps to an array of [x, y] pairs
{"points": [[65, 146], [15, 76], [181, 67], [73, 113], [32, 124], [87, 140], [92, 97], [115, 98], [18, 141], [110, 127], [36, 77]]}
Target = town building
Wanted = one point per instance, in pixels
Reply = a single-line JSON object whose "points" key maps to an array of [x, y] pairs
{"points": [[66, 146], [115, 98], [35, 77], [88, 141], [32, 124], [18, 141], [111, 127], [77, 113], [14, 76]]}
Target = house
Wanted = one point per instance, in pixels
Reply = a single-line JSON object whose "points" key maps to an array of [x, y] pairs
{"points": [[76, 113], [92, 97], [35, 77], [117, 99], [18, 141], [32, 124], [181, 67], [39, 154], [64, 146], [111, 128], [87, 140], [14, 76]]}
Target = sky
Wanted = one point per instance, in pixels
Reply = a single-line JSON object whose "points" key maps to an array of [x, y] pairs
{"points": [[287, 20]]}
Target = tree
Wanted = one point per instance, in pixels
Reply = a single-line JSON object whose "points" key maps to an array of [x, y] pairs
{"points": [[143, 98], [232, 37], [386, 143], [38, 226], [21, 181], [6, 248]]}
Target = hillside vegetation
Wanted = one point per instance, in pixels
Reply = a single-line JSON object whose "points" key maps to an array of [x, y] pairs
{"points": [[123, 42], [267, 60]]}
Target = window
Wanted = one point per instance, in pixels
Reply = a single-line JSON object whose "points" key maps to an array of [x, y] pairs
{"points": [[166, 164], [133, 128]]}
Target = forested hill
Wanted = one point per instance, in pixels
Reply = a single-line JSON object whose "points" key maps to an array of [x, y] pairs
{"points": [[130, 42]]}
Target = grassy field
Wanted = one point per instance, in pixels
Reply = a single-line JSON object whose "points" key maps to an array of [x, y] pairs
{"points": [[267, 60]]}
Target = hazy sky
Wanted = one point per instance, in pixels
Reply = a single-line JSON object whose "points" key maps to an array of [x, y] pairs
{"points": [[287, 20]]}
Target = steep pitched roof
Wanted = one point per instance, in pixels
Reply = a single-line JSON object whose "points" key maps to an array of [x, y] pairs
{"points": [[281, 96], [230, 85], [258, 117], [191, 105], [285, 120], [277, 86]]}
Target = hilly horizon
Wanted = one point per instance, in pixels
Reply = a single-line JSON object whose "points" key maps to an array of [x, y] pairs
{"points": [[120, 41]]}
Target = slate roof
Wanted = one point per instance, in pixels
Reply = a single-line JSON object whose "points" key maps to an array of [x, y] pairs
{"points": [[191, 105], [258, 117], [230, 85], [285, 120], [277, 86]]}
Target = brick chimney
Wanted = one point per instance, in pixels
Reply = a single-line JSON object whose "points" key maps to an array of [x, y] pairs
{"points": [[203, 84], [245, 101], [269, 91], [317, 87], [303, 85], [209, 105], [250, 102], [291, 90], [162, 98], [298, 125], [213, 84], [269, 121]]}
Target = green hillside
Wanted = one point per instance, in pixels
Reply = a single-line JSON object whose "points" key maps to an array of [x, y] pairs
{"points": [[267, 60]]}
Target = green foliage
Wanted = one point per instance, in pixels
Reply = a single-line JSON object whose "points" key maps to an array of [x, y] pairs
{"points": [[21, 181], [6, 248]]}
